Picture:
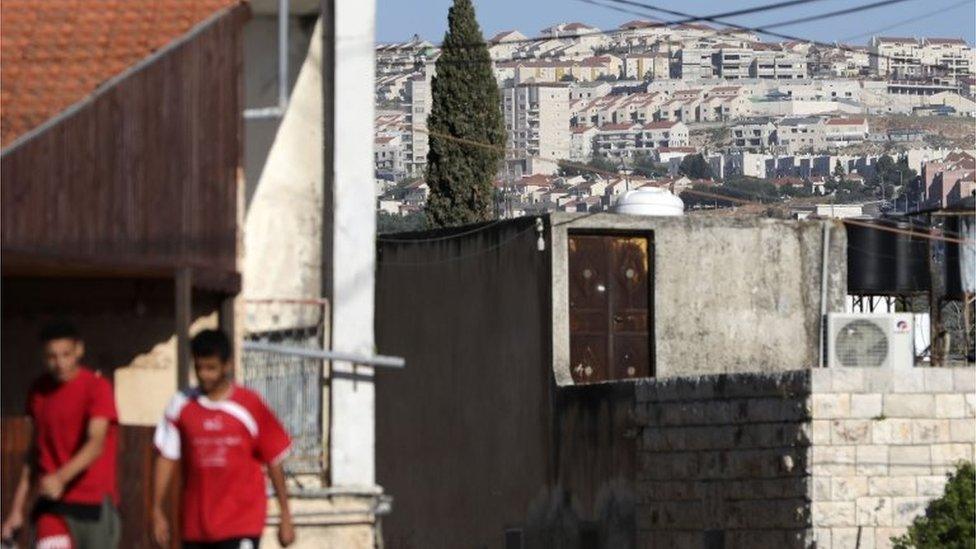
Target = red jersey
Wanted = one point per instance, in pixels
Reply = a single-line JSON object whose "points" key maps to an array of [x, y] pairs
{"points": [[61, 412], [222, 445]]}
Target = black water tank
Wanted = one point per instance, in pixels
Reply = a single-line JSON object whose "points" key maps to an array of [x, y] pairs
{"points": [[953, 267], [884, 262]]}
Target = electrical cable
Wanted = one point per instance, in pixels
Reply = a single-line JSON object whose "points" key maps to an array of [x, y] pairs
{"points": [[703, 193], [764, 30]]}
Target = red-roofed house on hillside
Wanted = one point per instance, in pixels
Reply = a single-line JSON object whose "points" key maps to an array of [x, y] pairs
{"points": [[122, 174], [840, 132]]}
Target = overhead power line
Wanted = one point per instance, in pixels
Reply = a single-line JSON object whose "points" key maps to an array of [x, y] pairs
{"points": [[704, 194], [652, 24], [908, 20], [766, 31]]}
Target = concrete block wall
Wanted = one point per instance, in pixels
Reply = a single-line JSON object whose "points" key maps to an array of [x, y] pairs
{"points": [[882, 443], [722, 460]]}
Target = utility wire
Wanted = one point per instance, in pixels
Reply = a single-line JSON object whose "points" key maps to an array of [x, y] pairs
{"points": [[716, 18], [705, 194], [764, 30], [909, 20], [653, 24]]}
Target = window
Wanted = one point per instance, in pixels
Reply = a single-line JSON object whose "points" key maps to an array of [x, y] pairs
{"points": [[610, 307]]}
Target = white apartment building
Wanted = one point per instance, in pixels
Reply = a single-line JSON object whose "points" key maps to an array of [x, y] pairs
{"points": [[759, 134], [505, 44], [797, 133], [537, 121], [388, 155], [952, 53], [616, 109], [641, 33], [419, 101], [588, 91], [391, 58], [692, 63], [641, 66], [895, 57], [625, 141], [778, 65], [733, 63], [581, 143], [840, 132], [906, 58], [582, 70]]}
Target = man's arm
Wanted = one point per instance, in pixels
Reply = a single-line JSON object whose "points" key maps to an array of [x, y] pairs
{"points": [[15, 518], [52, 485], [286, 530], [162, 477]]}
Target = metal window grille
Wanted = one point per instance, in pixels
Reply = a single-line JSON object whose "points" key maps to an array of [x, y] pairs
{"points": [[291, 385]]}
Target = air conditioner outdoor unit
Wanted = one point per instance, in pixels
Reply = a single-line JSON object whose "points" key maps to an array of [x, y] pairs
{"points": [[870, 340]]}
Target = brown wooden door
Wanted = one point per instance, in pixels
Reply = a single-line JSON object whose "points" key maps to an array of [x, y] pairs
{"points": [[609, 296]]}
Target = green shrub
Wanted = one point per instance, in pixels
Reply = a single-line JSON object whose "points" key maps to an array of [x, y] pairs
{"points": [[949, 520]]}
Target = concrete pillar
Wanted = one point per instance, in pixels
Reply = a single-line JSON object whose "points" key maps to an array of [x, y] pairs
{"points": [[353, 243]]}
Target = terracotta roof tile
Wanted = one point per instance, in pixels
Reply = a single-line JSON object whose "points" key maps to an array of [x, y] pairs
{"points": [[56, 52]]}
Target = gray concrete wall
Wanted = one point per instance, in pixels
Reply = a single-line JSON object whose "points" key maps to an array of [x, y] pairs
{"points": [[462, 433], [730, 294]]}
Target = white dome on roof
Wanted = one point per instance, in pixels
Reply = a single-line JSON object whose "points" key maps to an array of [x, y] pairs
{"points": [[649, 201]]}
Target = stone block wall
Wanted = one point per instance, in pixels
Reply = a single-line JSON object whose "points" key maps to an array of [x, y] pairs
{"points": [[722, 461], [826, 458], [882, 443]]}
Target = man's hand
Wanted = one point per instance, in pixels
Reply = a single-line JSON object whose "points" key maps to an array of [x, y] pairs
{"points": [[14, 522], [160, 527], [286, 531], [51, 487]]}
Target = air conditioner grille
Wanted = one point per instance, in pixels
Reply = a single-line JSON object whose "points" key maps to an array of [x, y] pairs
{"points": [[861, 343]]}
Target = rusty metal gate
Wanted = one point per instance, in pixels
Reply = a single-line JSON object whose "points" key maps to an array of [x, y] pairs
{"points": [[291, 384], [609, 307]]}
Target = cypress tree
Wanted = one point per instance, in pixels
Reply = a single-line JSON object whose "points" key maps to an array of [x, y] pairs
{"points": [[465, 106]]}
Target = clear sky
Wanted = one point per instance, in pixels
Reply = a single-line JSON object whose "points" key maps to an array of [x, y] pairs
{"points": [[398, 20]]}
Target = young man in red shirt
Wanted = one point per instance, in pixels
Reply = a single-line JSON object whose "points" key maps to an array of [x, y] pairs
{"points": [[73, 452], [222, 434]]}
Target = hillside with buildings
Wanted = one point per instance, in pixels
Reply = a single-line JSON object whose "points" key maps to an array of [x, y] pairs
{"points": [[632, 102]]}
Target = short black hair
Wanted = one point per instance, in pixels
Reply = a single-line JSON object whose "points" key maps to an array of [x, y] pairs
{"points": [[210, 343], [58, 329]]}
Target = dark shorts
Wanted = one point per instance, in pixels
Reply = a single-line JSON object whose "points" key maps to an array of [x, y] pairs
{"points": [[90, 526], [232, 543]]}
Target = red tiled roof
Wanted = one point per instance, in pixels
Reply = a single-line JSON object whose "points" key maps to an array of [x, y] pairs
{"points": [[946, 41], [896, 39], [502, 35], [577, 26], [638, 24], [538, 180], [845, 121], [694, 26], [581, 129], [616, 127], [56, 52], [659, 125], [595, 61]]}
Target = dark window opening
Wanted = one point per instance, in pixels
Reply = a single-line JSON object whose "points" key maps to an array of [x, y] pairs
{"points": [[610, 293]]}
